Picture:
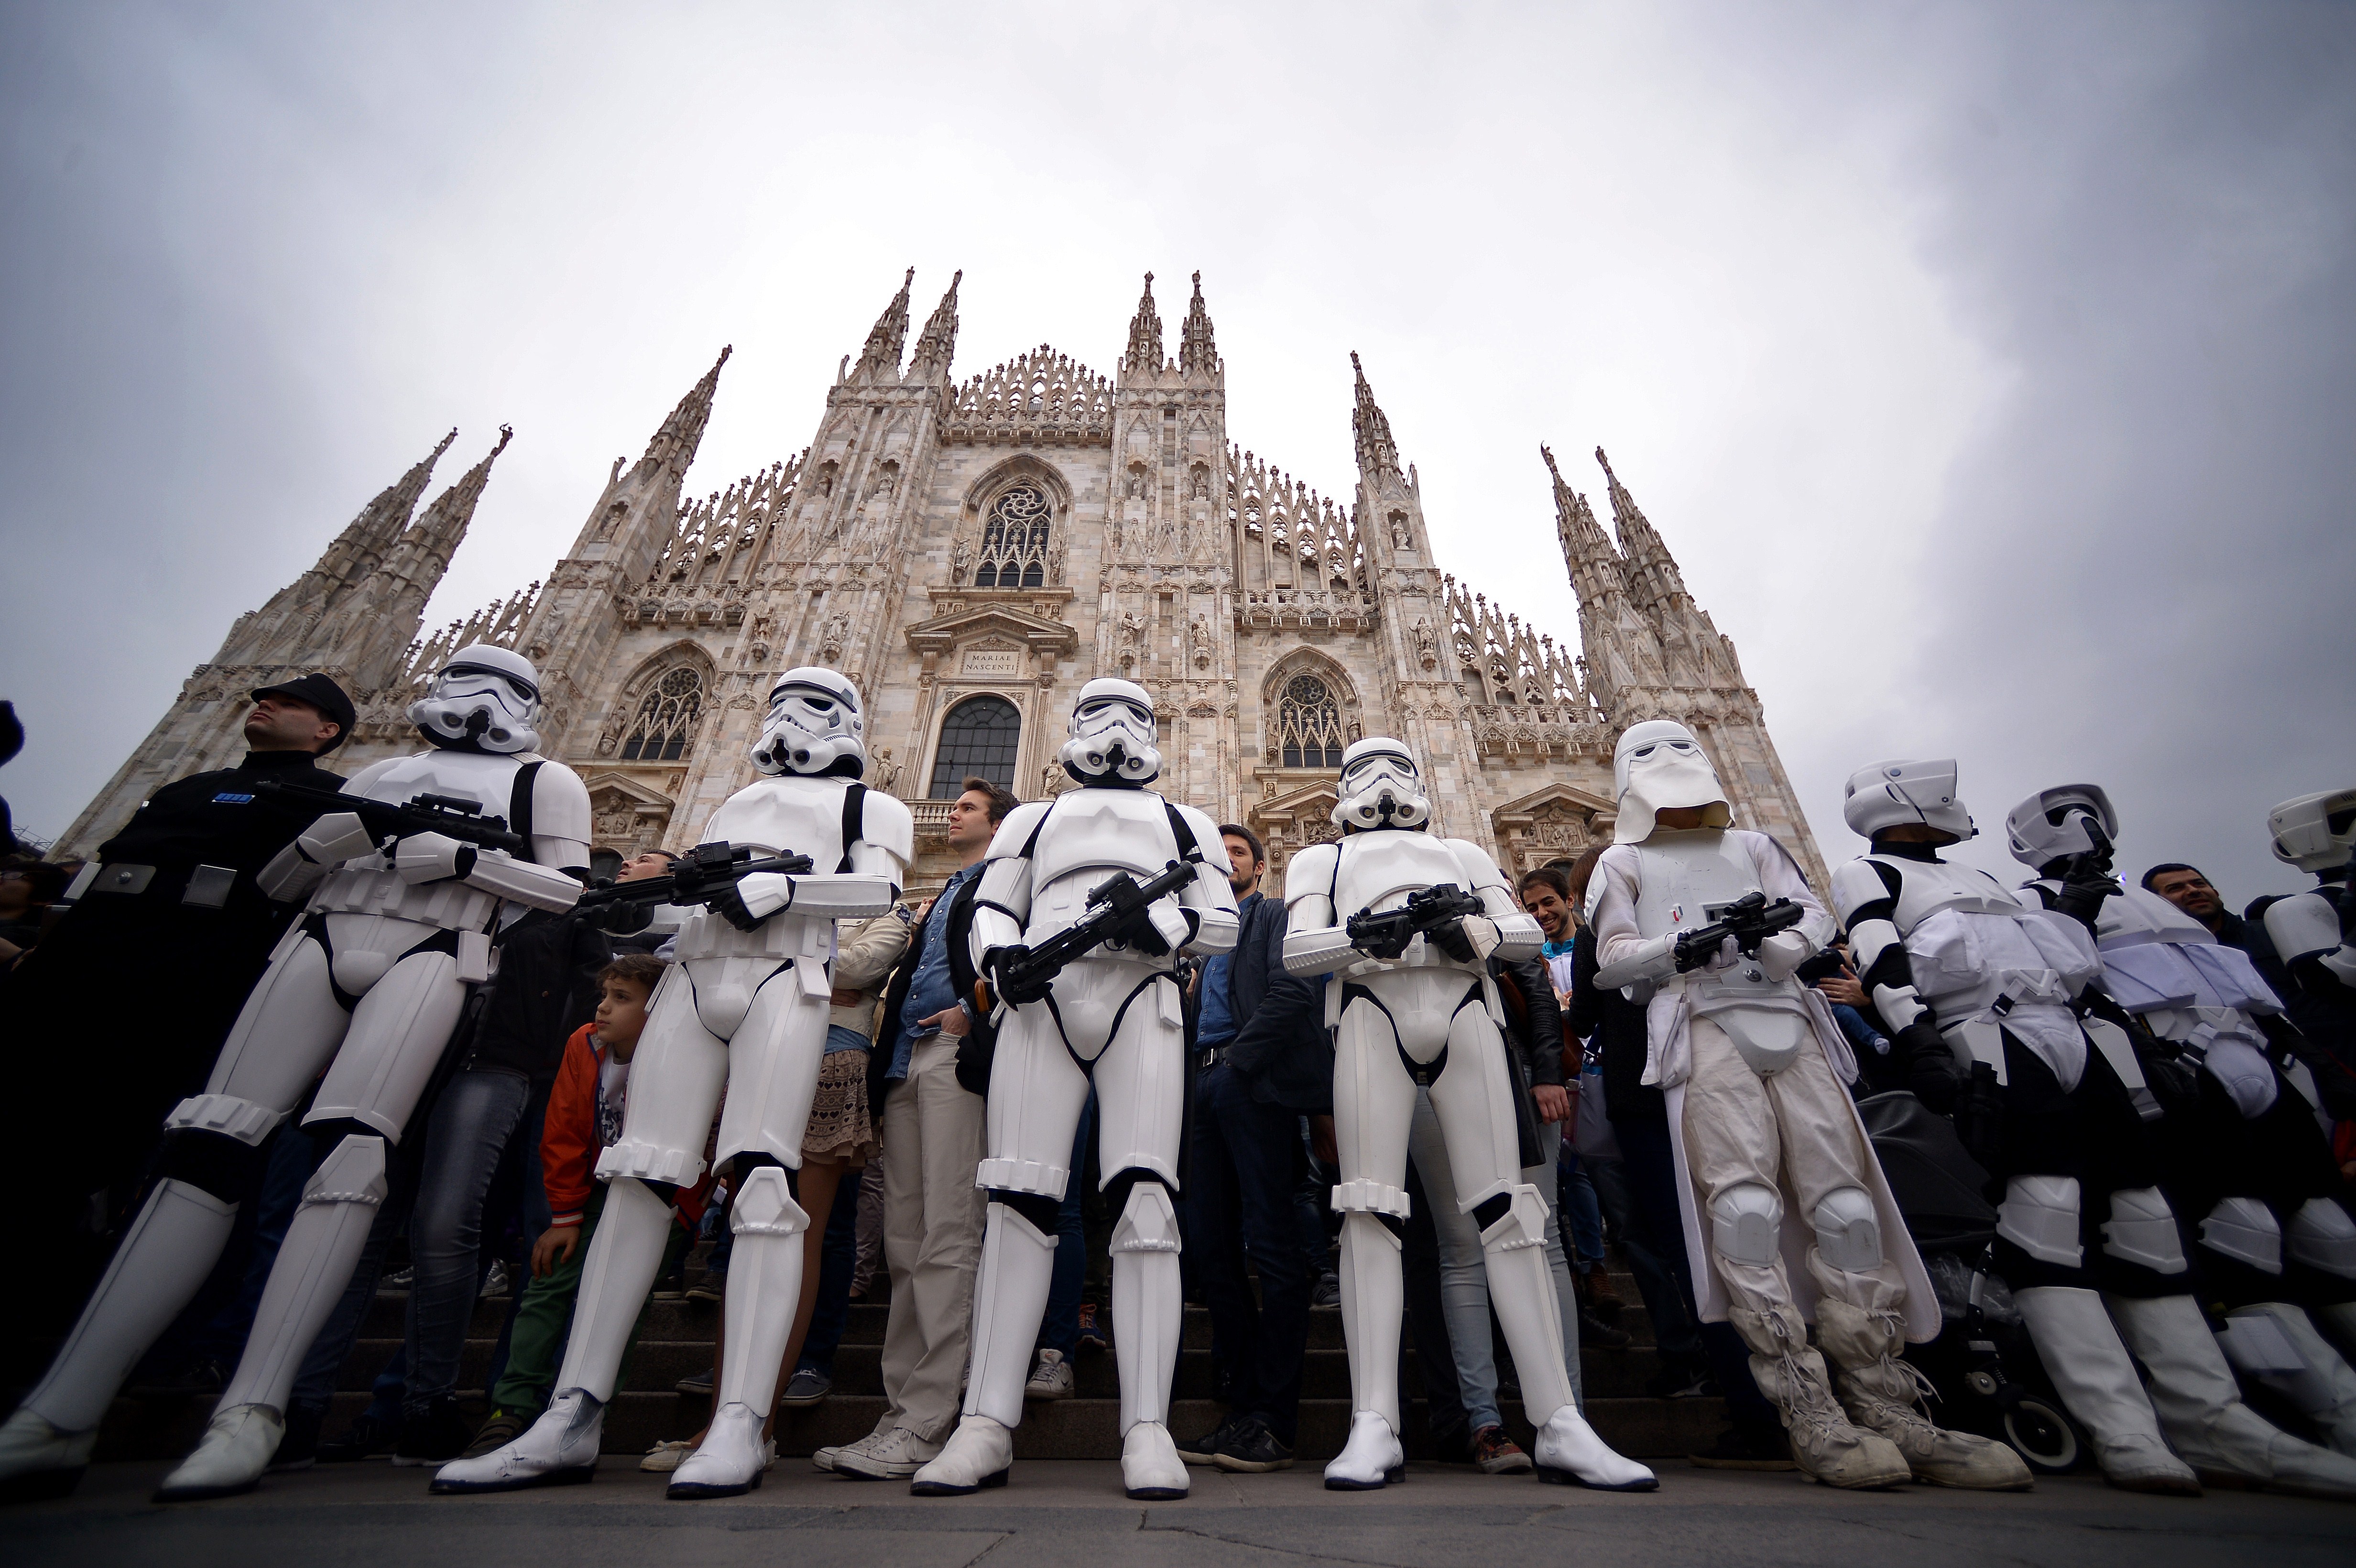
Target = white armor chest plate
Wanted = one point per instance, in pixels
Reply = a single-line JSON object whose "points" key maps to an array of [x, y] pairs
{"points": [[368, 887], [1683, 875], [2140, 916], [1092, 833], [474, 776], [784, 816], [1926, 887], [1379, 871]]}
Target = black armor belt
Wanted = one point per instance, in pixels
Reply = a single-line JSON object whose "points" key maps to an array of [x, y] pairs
{"points": [[205, 886]]}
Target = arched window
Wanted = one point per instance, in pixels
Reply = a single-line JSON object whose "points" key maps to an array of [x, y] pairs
{"points": [[978, 739], [1015, 540], [1307, 725], [665, 718]]}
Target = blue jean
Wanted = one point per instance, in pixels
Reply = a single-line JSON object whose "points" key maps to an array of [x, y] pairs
{"points": [[1241, 1174], [1059, 1329], [478, 1115], [837, 1255], [1582, 1216]]}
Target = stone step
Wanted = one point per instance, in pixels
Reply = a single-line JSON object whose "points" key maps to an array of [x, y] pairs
{"points": [[657, 1366]]}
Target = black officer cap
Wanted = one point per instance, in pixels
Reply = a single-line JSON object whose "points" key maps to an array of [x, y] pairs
{"points": [[321, 694]]}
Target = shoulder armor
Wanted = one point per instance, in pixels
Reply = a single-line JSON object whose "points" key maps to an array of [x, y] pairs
{"points": [[1312, 872], [1207, 836], [1016, 830], [1857, 884], [560, 804], [1479, 869], [886, 822]]}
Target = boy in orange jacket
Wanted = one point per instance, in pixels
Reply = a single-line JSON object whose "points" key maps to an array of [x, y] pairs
{"points": [[584, 1114]]}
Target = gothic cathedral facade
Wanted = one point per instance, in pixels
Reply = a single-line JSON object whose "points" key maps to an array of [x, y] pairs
{"points": [[970, 552]]}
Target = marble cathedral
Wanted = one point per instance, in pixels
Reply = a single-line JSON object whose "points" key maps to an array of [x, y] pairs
{"points": [[970, 551]]}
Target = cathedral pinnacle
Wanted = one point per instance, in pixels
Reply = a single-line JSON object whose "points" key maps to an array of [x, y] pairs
{"points": [[1654, 580], [1144, 352], [1197, 353], [880, 360], [1376, 452], [938, 341], [674, 444]]}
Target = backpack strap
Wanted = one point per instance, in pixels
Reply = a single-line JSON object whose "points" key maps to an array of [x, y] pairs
{"points": [[519, 795], [854, 822]]}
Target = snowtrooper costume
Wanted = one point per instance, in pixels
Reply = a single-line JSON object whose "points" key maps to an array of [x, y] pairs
{"points": [[1427, 1014], [1112, 1017], [2242, 1150], [1799, 1218], [744, 1006], [365, 988]]}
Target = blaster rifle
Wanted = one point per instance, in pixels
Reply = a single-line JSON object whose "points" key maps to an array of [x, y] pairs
{"points": [[703, 873], [1429, 913], [1749, 920], [1115, 905], [452, 816]]}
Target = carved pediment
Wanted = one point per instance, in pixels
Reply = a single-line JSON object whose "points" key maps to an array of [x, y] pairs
{"points": [[999, 624], [1558, 822]]}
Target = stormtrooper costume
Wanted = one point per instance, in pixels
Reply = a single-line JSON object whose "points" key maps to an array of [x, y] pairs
{"points": [[744, 1006], [1800, 1219], [1427, 1017], [2240, 1150], [366, 988], [1112, 1017]]}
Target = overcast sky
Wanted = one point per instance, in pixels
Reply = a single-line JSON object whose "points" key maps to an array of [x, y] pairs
{"points": [[1991, 370]]}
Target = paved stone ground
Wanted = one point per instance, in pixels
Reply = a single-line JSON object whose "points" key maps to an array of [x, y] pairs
{"points": [[1072, 1512]]}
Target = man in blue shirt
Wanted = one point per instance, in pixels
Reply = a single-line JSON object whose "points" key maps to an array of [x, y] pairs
{"points": [[932, 1211]]}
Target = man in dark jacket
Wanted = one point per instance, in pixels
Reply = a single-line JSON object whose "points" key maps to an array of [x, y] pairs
{"points": [[123, 1005], [1265, 1059]]}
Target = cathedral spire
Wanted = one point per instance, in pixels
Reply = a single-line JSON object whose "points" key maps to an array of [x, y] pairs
{"points": [[1653, 580], [880, 360], [368, 537], [373, 650], [1376, 452], [937, 343], [1144, 334], [673, 447], [1197, 353]]}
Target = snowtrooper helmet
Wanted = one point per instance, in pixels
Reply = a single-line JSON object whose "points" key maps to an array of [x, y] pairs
{"points": [[2315, 832], [2055, 824], [486, 698], [1380, 787], [1113, 735], [1889, 795], [815, 727], [1658, 765]]}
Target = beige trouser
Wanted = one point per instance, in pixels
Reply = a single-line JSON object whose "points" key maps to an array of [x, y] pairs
{"points": [[1794, 1132], [932, 1239]]}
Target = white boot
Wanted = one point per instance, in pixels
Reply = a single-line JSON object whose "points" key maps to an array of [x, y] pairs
{"points": [[731, 1459], [2275, 1343], [1370, 1460], [1150, 1467], [2193, 1391], [559, 1449], [2090, 1369], [1570, 1453], [978, 1453], [38, 1462], [230, 1457]]}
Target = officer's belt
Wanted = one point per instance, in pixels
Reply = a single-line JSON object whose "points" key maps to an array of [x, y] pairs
{"points": [[204, 886]]}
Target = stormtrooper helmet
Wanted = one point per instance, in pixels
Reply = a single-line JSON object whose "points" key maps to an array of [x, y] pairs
{"points": [[814, 728], [2315, 832], [486, 698], [1380, 787], [1658, 765], [1113, 735], [2054, 824], [1891, 795]]}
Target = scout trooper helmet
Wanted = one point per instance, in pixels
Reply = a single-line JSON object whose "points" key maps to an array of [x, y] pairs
{"points": [[1657, 765], [486, 698], [2055, 824], [2315, 832], [814, 728], [1889, 795], [1380, 787], [1113, 735]]}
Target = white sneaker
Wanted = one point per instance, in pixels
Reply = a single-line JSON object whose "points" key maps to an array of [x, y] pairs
{"points": [[559, 1449], [824, 1458], [898, 1453], [1051, 1377], [38, 1462], [731, 1460], [1151, 1469], [1370, 1460], [1568, 1453], [664, 1458], [230, 1457], [978, 1453]]}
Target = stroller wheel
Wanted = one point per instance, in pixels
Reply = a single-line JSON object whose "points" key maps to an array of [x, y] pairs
{"points": [[2042, 1436]]}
